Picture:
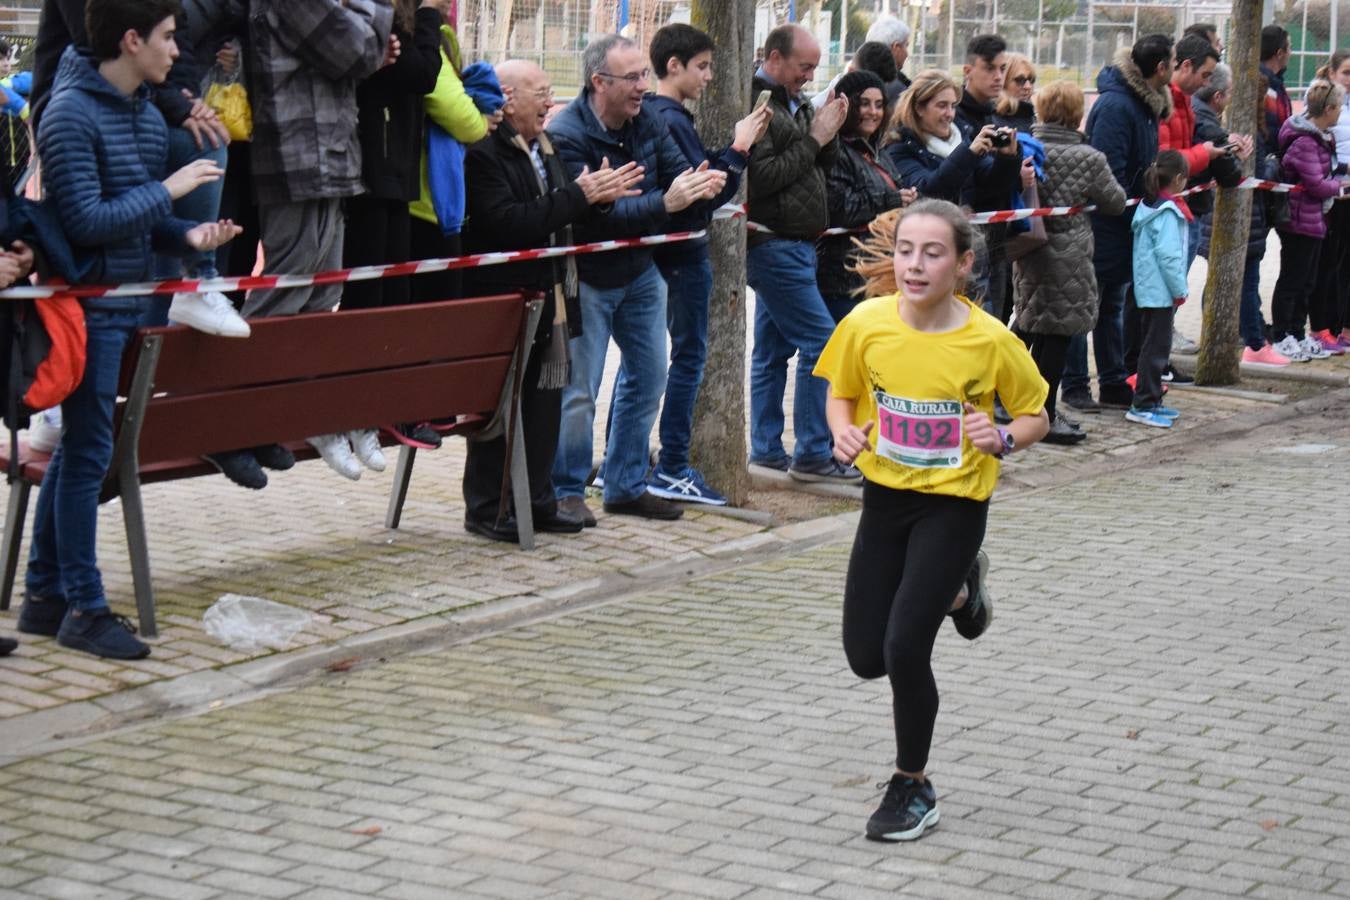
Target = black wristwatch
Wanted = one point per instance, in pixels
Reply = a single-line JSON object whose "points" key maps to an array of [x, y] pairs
{"points": [[1009, 443]]}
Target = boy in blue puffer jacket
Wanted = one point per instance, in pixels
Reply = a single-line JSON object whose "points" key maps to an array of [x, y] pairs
{"points": [[1159, 267], [104, 146]]}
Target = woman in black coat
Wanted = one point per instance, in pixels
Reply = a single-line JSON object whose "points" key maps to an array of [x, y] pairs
{"points": [[860, 185]]}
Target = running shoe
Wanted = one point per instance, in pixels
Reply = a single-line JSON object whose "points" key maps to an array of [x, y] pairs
{"points": [[1327, 341], [1174, 376], [1344, 338], [1292, 349], [908, 809], [1314, 349], [1265, 358], [1183, 344], [1166, 411], [974, 616], [688, 487], [1148, 416]]}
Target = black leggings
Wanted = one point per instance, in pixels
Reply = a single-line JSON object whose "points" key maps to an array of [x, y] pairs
{"points": [[892, 611], [1050, 351]]}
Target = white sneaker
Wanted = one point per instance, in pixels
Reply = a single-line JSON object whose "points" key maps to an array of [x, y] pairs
{"points": [[1313, 349], [366, 446], [337, 452], [1292, 348], [1183, 344], [210, 312], [44, 430]]}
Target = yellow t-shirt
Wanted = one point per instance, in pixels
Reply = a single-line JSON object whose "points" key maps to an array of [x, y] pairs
{"points": [[912, 384]]}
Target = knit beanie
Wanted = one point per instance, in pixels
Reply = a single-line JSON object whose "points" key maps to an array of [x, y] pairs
{"points": [[851, 84]]}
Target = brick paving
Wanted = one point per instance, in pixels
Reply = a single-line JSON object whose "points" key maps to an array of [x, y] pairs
{"points": [[1159, 711]]}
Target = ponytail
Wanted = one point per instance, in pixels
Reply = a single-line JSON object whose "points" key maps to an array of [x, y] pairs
{"points": [[1169, 165], [1328, 71]]}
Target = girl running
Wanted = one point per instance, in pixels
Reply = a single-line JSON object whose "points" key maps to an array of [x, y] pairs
{"points": [[912, 382]]}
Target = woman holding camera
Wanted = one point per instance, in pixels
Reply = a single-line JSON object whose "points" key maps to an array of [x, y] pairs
{"points": [[926, 147]]}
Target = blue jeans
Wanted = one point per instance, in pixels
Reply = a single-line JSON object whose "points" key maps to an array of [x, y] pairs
{"points": [[635, 315], [688, 287], [790, 317], [1250, 323], [201, 205], [1108, 337], [62, 560]]}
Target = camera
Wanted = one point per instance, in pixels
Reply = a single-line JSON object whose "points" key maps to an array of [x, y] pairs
{"points": [[1003, 137]]}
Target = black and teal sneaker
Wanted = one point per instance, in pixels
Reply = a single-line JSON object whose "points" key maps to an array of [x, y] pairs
{"points": [[906, 812]]}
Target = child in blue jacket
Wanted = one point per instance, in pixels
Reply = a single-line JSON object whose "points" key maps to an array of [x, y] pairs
{"points": [[1159, 280], [104, 148]]}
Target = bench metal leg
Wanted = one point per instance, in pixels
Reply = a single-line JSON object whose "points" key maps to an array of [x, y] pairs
{"points": [[139, 550], [399, 493], [14, 522], [520, 483]]}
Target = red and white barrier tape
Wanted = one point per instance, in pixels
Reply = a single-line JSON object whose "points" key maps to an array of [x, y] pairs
{"points": [[397, 270], [338, 276]]}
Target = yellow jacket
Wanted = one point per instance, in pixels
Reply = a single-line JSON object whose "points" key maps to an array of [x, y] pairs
{"points": [[452, 109]]}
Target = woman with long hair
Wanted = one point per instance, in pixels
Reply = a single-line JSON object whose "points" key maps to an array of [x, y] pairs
{"points": [[1014, 107], [925, 146]]}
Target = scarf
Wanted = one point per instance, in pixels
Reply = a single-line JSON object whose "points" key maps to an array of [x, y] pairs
{"points": [[556, 368], [940, 147]]}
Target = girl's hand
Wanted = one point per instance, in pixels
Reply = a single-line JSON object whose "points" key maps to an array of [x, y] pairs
{"points": [[981, 432], [852, 441], [210, 235]]}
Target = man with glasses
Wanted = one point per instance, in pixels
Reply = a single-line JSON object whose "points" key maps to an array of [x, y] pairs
{"points": [[622, 293], [519, 196]]}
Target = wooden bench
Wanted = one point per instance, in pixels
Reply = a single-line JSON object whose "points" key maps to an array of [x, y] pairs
{"points": [[184, 394]]}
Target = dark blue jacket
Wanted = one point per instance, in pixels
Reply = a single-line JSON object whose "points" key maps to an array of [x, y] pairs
{"points": [[103, 155], [1123, 125], [997, 175], [581, 141], [951, 179], [681, 124]]}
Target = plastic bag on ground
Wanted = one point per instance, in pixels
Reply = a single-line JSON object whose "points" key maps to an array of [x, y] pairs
{"points": [[252, 623]]}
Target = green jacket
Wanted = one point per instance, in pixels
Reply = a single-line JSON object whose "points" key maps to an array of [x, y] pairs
{"points": [[786, 177]]}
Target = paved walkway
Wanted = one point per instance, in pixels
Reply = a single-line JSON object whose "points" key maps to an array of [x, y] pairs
{"points": [[1158, 711]]}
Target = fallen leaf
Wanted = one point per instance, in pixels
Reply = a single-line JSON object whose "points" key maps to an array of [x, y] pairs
{"points": [[1269, 824], [1132, 734], [342, 665], [374, 829], [852, 782]]}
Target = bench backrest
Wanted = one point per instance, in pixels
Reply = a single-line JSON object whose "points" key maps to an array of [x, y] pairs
{"points": [[300, 376]]}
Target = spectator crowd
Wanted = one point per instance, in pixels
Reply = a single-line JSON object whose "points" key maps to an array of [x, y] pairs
{"points": [[367, 138]]}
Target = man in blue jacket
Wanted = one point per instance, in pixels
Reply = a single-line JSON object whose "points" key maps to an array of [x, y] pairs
{"points": [[103, 147], [1133, 95], [682, 60], [622, 293]]}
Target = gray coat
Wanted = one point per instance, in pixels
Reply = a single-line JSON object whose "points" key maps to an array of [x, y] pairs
{"points": [[1056, 288]]}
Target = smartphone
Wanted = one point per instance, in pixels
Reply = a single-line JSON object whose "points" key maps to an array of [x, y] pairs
{"points": [[1230, 148], [762, 99]]}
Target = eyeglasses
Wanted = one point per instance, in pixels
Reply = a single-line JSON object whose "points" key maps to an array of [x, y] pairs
{"points": [[1024, 79], [543, 95], [631, 77]]}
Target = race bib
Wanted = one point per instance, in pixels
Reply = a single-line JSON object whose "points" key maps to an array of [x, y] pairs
{"points": [[924, 434]]}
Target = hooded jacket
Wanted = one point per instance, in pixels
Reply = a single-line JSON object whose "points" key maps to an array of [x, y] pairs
{"points": [[786, 178], [681, 124], [1308, 158], [1055, 290], [582, 141], [103, 158], [858, 192], [1123, 125], [1159, 254], [305, 58]]}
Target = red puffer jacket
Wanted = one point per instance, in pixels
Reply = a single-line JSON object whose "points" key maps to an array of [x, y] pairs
{"points": [[1177, 132]]}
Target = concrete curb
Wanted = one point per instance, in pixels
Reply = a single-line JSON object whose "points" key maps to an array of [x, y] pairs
{"points": [[1295, 372]]}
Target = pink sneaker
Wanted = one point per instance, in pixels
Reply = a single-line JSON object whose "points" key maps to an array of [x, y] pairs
{"points": [[1329, 343], [1266, 358]]}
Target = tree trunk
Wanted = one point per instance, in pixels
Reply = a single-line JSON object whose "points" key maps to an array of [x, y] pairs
{"points": [[1219, 351], [718, 447]]}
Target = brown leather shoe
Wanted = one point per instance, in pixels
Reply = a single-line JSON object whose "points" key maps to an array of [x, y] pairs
{"points": [[647, 506], [576, 508]]}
